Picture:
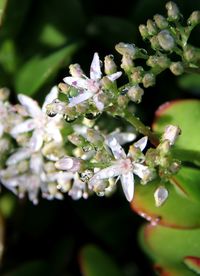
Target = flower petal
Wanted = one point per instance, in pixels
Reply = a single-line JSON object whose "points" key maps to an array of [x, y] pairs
{"points": [[127, 181], [36, 163], [114, 76], [95, 68], [117, 150], [141, 170], [19, 155], [25, 126], [80, 98], [36, 140], [1, 130], [98, 103], [31, 106], [122, 137], [141, 144], [53, 94], [77, 82]]}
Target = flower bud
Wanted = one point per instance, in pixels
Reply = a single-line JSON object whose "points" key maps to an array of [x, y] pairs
{"points": [[161, 21], [166, 40], [126, 49], [194, 18], [148, 80], [75, 70], [93, 136], [162, 61], [160, 195], [175, 166], [76, 139], [171, 134], [177, 68], [109, 65], [172, 11], [137, 75], [151, 27], [192, 54], [4, 94], [127, 63], [122, 100], [64, 88], [70, 164], [143, 31], [155, 45], [135, 93]]}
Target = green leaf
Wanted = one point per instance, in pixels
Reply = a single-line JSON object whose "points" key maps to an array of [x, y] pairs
{"points": [[2, 10], [8, 58], [168, 247], [37, 71], [182, 207], [94, 262], [185, 114], [190, 82]]}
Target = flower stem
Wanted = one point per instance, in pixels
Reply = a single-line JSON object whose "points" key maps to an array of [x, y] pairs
{"points": [[140, 127]]}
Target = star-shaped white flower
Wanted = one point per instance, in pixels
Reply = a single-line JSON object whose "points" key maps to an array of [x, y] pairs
{"points": [[43, 127], [124, 167], [90, 87]]}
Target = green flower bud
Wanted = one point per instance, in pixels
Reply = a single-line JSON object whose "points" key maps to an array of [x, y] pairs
{"points": [[122, 100], [135, 93], [172, 11], [166, 40], [194, 18], [109, 65], [162, 61], [64, 88], [161, 21], [137, 75], [126, 49], [127, 63], [151, 27], [106, 83], [143, 31], [94, 136], [177, 68], [192, 54], [155, 45], [148, 80]]}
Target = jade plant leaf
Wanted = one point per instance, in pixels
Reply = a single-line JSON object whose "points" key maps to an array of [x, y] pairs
{"points": [[95, 261], [37, 71], [2, 10], [190, 82], [172, 249], [182, 207]]}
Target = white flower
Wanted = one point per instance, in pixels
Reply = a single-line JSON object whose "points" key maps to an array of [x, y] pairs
{"points": [[78, 189], [43, 127], [124, 167], [171, 134], [90, 87]]}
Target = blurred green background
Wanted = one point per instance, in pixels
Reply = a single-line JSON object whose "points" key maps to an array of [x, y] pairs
{"points": [[38, 40]]}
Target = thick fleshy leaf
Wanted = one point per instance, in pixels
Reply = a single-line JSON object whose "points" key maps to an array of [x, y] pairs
{"points": [[185, 114], [37, 71], [182, 207], [170, 247], [193, 263], [190, 82], [94, 261]]}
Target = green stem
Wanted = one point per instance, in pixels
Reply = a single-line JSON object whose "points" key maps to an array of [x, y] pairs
{"points": [[140, 127]]}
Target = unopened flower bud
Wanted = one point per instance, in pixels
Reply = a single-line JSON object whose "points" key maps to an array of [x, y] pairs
{"points": [[126, 49], [64, 88], [143, 31], [76, 139], [171, 134], [4, 94], [135, 93], [75, 70], [94, 136], [109, 65], [160, 195], [137, 75], [148, 80], [175, 167], [192, 54], [177, 68], [122, 100], [155, 45], [166, 40], [127, 63], [161, 61], [56, 107], [151, 27], [70, 164], [161, 21], [172, 11], [164, 147], [194, 18]]}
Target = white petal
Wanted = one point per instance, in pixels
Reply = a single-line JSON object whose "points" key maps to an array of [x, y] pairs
{"points": [[53, 94], [114, 76], [80, 98], [160, 195], [127, 181], [99, 104], [31, 106], [1, 130], [117, 150], [77, 82], [25, 126], [122, 137], [36, 140], [141, 170], [95, 68], [19, 155], [141, 144], [81, 130], [36, 163]]}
